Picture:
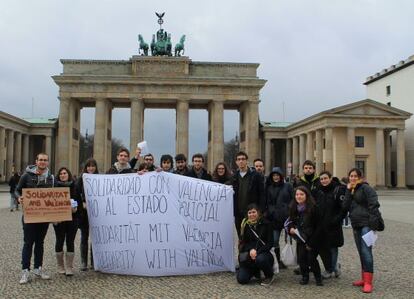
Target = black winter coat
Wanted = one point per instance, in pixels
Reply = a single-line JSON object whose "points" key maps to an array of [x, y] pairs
{"points": [[278, 198], [312, 186], [13, 181], [308, 225], [80, 194], [363, 206], [329, 201], [114, 170], [255, 190], [205, 176], [249, 241], [73, 195]]}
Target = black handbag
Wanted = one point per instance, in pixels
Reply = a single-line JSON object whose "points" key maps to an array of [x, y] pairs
{"points": [[376, 222]]}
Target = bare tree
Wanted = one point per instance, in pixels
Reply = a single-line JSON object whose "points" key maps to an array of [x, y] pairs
{"points": [[86, 148]]}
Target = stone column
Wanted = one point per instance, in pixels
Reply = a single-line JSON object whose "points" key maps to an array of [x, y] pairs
{"points": [[108, 135], [288, 154], [137, 123], [48, 146], [302, 149], [309, 146], [295, 155], [18, 152], [215, 133], [25, 158], [100, 137], [350, 133], [319, 151], [2, 153], [387, 158], [328, 150], [249, 128], [268, 155], [252, 129], [380, 181], [181, 140], [400, 159], [9, 153], [64, 134]]}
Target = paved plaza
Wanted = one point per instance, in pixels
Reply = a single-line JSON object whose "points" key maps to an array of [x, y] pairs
{"points": [[393, 257]]}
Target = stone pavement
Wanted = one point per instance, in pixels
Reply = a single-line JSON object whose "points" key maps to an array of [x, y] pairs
{"points": [[393, 257]]}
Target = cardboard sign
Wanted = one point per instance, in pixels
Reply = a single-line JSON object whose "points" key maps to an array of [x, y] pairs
{"points": [[46, 205]]}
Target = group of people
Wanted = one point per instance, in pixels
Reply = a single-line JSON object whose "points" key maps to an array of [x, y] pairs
{"points": [[311, 207], [310, 210]]}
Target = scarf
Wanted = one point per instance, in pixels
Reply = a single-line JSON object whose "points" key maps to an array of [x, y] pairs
{"points": [[353, 186], [66, 184], [248, 222], [120, 167], [301, 208]]}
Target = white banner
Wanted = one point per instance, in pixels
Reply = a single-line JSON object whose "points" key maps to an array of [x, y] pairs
{"points": [[159, 224]]}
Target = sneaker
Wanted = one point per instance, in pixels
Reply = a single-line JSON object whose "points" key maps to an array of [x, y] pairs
{"points": [[40, 273], [25, 276], [326, 274], [338, 270], [267, 281]]}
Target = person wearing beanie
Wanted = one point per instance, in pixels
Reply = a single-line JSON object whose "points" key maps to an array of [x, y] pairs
{"points": [[278, 196]]}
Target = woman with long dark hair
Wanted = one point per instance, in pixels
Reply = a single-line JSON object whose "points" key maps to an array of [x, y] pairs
{"points": [[66, 230], [303, 226], [90, 167], [361, 201]]}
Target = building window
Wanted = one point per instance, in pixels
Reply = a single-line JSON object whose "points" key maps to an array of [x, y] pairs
{"points": [[360, 164], [359, 141], [388, 90]]}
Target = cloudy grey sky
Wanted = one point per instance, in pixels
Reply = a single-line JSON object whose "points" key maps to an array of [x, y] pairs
{"points": [[314, 54]]}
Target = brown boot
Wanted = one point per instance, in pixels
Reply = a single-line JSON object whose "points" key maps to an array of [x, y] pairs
{"points": [[69, 263], [60, 263]]}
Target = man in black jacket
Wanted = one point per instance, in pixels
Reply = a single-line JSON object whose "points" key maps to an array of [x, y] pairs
{"points": [[181, 164], [198, 171], [309, 179], [36, 176], [122, 164], [248, 188]]}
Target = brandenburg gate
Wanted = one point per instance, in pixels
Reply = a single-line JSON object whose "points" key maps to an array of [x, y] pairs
{"points": [[155, 82]]}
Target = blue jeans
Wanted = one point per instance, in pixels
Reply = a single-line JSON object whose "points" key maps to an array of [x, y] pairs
{"points": [[365, 252], [13, 201], [276, 237]]}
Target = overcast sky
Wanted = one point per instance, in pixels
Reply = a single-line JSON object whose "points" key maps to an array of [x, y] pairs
{"points": [[314, 54]]}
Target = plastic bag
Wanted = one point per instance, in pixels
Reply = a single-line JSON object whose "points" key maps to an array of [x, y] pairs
{"points": [[288, 255], [275, 262]]}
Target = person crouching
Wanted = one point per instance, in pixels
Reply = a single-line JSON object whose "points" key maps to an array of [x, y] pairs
{"points": [[254, 249]]}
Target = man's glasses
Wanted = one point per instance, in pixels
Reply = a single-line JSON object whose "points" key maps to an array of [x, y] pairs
{"points": [[42, 160]]}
